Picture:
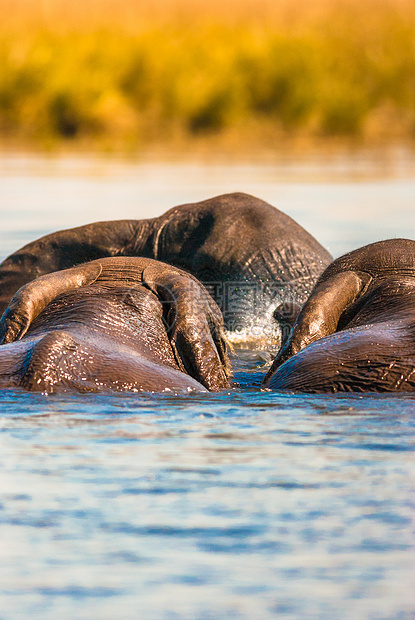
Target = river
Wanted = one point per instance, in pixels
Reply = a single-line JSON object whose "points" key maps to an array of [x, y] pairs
{"points": [[241, 505]]}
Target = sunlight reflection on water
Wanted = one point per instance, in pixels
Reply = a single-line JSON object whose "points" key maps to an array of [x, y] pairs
{"points": [[245, 504]]}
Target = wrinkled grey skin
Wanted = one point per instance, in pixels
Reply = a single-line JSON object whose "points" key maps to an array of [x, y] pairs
{"points": [[223, 241], [356, 332], [114, 323]]}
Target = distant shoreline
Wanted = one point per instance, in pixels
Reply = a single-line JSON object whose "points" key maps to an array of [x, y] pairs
{"points": [[296, 165]]}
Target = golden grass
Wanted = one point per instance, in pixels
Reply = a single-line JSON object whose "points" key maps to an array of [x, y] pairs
{"points": [[127, 73]]}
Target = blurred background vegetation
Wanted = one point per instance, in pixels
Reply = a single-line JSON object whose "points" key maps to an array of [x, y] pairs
{"points": [[123, 75]]}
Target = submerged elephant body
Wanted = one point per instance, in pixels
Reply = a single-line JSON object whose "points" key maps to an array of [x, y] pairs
{"points": [[356, 332], [115, 323], [134, 323], [248, 254]]}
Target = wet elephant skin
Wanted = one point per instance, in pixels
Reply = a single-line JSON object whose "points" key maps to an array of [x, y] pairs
{"points": [[356, 332], [248, 253], [114, 323]]}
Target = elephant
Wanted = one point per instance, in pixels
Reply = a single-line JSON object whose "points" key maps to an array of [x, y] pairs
{"points": [[356, 331], [116, 323], [249, 255]]}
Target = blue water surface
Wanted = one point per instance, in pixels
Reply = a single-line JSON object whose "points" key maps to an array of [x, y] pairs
{"points": [[242, 505]]}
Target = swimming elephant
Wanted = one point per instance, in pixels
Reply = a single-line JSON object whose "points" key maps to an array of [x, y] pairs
{"points": [[356, 332], [114, 323], [248, 254]]}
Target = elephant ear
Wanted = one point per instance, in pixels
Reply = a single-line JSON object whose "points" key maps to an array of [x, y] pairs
{"points": [[194, 325], [32, 298], [321, 313]]}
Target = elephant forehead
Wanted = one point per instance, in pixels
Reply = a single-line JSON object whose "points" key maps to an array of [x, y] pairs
{"points": [[126, 316], [393, 256], [101, 304]]}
